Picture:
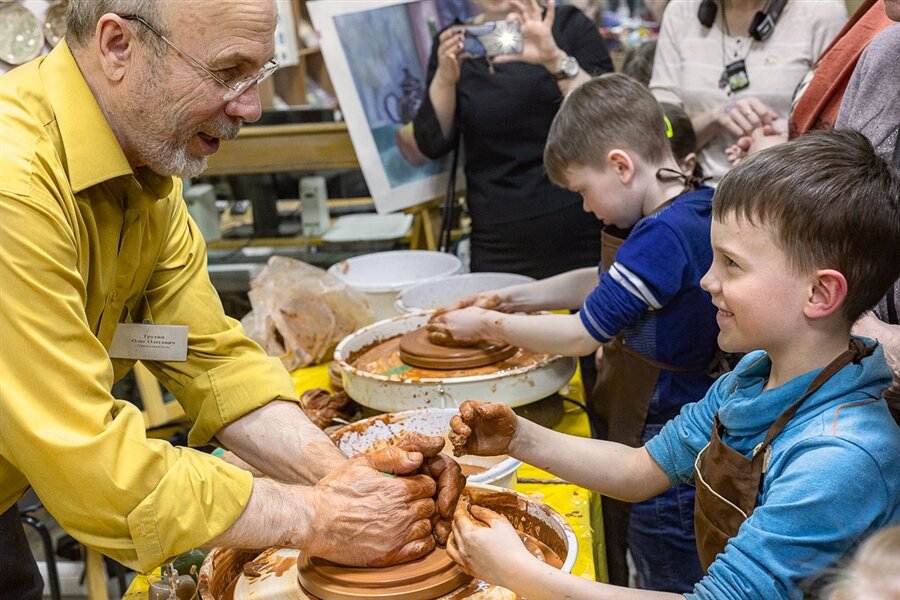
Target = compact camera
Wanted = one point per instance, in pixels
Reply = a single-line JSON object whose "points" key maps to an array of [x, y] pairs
{"points": [[490, 39]]}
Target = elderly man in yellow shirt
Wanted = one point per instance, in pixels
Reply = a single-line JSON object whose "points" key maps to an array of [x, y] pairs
{"points": [[100, 264]]}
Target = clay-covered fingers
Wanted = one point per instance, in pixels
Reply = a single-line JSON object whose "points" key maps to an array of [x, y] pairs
{"points": [[393, 460], [427, 445], [483, 429], [459, 434], [450, 483], [409, 551]]}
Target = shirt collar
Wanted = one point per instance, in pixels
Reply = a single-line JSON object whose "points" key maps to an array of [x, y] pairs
{"points": [[79, 118]]}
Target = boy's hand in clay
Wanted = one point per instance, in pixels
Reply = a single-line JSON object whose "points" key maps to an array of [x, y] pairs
{"points": [[447, 476], [482, 429], [459, 327], [365, 518], [485, 545]]}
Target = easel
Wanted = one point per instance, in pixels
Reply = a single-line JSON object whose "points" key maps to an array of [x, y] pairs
{"points": [[426, 221]]}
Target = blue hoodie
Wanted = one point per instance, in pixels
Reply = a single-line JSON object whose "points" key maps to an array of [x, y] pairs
{"points": [[833, 476]]}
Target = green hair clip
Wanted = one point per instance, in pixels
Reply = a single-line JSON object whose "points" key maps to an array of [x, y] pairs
{"points": [[669, 131]]}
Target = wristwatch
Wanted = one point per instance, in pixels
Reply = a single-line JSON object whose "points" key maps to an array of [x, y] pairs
{"points": [[568, 68]]}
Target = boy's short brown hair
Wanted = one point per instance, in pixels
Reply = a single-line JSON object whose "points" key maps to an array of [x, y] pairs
{"points": [[830, 203], [609, 111]]}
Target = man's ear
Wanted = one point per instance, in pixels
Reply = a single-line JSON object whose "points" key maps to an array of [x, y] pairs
{"points": [[827, 294], [115, 43], [620, 162]]}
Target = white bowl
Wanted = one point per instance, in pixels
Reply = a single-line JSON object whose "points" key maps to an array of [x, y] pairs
{"points": [[382, 275], [515, 386], [447, 292], [383, 430]]}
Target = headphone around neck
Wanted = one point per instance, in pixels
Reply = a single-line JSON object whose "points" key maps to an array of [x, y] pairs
{"points": [[761, 27]]}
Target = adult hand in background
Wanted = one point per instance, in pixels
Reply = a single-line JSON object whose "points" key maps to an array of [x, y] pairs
{"points": [[450, 44], [447, 477], [366, 517], [483, 429], [759, 139], [741, 117], [538, 44]]}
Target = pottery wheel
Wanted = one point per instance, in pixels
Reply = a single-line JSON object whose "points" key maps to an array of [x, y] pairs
{"points": [[431, 576], [417, 350]]}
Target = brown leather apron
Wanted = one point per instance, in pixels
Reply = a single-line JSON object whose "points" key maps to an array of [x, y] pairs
{"points": [[621, 399], [728, 483]]}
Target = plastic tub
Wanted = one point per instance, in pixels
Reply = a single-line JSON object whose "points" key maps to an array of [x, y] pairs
{"points": [[449, 291], [382, 430], [382, 275]]}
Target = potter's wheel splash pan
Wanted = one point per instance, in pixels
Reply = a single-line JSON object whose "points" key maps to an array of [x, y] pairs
{"points": [[516, 386]]}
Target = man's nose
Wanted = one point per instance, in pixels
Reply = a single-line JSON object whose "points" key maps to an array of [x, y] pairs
{"points": [[246, 107]]}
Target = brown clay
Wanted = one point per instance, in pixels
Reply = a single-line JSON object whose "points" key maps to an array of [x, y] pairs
{"points": [[428, 577], [418, 350], [471, 469], [383, 358]]}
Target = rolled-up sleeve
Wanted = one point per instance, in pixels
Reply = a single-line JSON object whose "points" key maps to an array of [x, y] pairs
{"points": [[85, 453], [226, 375]]}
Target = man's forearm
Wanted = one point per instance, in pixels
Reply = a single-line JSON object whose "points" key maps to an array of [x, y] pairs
{"points": [[277, 514], [280, 441]]}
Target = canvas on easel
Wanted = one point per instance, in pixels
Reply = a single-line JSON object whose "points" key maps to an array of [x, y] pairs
{"points": [[377, 52]]}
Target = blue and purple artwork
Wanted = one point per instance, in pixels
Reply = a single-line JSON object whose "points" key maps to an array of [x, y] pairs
{"points": [[387, 51]]}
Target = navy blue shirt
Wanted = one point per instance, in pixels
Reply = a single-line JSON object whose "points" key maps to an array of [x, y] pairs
{"points": [[652, 294]]}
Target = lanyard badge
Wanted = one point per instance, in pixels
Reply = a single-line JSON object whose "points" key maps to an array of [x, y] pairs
{"points": [[734, 77]]}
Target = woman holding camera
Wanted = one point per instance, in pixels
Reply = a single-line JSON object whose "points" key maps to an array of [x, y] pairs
{"points": [[502, 106]]}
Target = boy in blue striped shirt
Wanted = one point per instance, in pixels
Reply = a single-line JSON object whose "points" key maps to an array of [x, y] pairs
{"points": [[644, 307]]}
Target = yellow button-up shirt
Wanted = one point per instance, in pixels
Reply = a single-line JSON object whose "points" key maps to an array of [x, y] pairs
{"points": [[86, 243]]}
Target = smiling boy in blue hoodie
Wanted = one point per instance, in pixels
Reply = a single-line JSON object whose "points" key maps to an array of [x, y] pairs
{"points": [[794, 453]]}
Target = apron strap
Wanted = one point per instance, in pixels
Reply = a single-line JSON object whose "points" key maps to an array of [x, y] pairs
{"points": [[855, 353], [661, 365]]}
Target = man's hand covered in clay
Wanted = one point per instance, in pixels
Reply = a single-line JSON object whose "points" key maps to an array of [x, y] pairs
{"points": [[483, 429], [446, 474], [367, 518]]}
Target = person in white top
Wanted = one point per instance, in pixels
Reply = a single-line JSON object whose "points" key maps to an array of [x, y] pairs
{"points": [[728, 81]]}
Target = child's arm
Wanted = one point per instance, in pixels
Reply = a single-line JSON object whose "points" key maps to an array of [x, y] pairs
{"points": [[566, 290], [486, 545], [489, 429], [551, 334]]}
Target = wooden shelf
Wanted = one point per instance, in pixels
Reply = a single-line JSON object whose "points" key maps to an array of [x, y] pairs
{"points": [[277, 148]]}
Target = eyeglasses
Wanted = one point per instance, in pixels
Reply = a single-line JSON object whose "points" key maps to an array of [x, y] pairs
{"points": [[234, 89]]}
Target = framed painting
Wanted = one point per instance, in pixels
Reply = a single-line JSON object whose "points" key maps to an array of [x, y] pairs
{"points": [[376, 53]]}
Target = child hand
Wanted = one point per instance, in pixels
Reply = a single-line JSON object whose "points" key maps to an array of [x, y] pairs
{"points": [[457, 327], [486, 546], [482, 429]]}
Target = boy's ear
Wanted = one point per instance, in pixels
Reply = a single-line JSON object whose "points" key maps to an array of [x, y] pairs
{"points": [[620, 162], [827, 295], [688, 163]]}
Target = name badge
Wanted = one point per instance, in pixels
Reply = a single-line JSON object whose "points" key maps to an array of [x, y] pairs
{"points": [[143, 341]]}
